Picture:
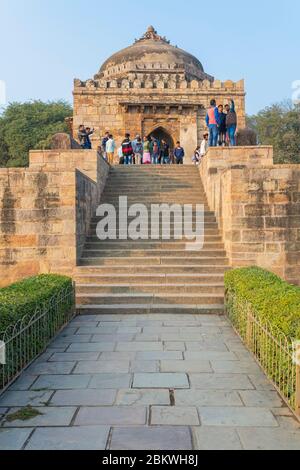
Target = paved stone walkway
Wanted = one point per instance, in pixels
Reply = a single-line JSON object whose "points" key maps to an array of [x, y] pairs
{"points": [[159, 382]]}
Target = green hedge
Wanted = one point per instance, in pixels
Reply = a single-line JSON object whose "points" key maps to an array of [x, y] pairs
{"points": [[22, 298], [270, 297], [44, 304]]}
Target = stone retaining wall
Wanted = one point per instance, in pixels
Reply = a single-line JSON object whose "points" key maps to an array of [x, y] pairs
{"points": [[257, 205], [40, 209]]}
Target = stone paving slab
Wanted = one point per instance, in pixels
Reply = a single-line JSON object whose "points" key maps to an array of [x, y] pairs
{"points": [[159, 355], [69, 339], [273, 439], [91, 347], [148, 397], [69, 438], [110, 381], [118, 356], [24, 382], [61, 416], [90, 324], [209, 356], [204, 398], [174, 346], [155, 438], [98, 331], [138, 347], [185, 366], [174, 416], [264, 399], [216, 438], [24, 398], [141, 338], [98, 367], [74, 357], [235, 367], [88, 397], [144, 366], [111, 338], [13, 439], [221, 382], [51, 368], [61, 382], [207, 345], [112, 416], [237, 417], [260, 382], [169, 381]]}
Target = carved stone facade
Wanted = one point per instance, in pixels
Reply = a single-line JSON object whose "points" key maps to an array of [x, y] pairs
{"points": [[152, 87]]}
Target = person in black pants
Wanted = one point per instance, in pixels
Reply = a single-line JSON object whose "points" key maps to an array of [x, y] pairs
{"points": [[179, 154], [222, 126]]}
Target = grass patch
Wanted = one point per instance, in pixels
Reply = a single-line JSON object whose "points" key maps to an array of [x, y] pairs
{"points": [[25, 414]]}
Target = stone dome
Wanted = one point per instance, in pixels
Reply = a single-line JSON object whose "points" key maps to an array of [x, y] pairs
{"points": [[152, 54]]}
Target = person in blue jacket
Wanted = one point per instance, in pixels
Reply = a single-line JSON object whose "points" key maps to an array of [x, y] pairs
{"points": [[179, 154]]}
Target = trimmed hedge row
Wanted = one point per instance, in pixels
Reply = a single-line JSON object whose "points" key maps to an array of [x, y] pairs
{"points": [[44, 304], [270, 297], [23, 298]]}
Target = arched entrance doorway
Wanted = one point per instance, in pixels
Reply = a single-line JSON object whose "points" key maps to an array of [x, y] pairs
{"points": [[162, 134]]}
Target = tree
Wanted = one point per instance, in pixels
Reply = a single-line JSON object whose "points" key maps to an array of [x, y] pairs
{"points": [[279, 125], [28, 126]]}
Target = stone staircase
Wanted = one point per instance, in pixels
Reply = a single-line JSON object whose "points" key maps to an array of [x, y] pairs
{"points": [[151, 276]]}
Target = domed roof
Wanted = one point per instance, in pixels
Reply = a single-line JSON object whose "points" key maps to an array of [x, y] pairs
{"points": [[152, 52]]}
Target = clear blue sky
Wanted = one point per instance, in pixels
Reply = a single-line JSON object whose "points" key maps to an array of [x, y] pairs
{"points": [[47, 43]]}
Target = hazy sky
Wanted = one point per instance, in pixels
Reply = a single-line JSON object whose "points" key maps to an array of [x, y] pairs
{"points": [[47, 43]]}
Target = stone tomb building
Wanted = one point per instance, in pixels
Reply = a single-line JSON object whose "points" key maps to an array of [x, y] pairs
{"points": [[152, 88]]}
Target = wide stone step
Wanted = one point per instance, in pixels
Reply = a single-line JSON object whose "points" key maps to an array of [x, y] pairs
{"points": [[165, 198], [160, 228], [162, 279], [163, 182], [153, 190], [153, 185], [157, 288], [160, 258], [194, 217], [96, 261], [145, 253], [152, 309], [156, 269], [119, 208], [209, 239], [155, 299]]}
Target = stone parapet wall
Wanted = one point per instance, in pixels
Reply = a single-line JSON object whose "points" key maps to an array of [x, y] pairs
{"points": [[159, 80], [257, 205], [63, 160], [39, 212]]}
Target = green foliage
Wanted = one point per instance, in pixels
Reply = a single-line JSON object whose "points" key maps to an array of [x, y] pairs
{"points": [[29, 126], [265, 311], [279, 125], [24, 414], [270, 298], [22, 298], [31, 313]]}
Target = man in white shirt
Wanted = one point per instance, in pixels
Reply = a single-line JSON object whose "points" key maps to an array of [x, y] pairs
{"points": [[204, 146], [110, 149]]}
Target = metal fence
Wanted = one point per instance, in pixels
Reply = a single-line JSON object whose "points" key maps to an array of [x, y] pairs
{"points": [[29, 337], [278, 356]]}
